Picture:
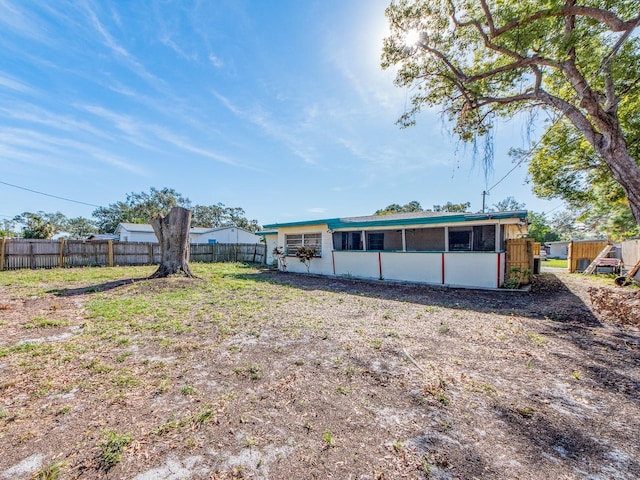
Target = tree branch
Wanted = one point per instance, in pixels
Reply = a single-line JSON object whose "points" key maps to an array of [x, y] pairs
{"points": [[606, 17]]}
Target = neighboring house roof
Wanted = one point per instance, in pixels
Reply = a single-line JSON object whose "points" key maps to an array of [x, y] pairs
{"points": [[103, 236], [60, 235], [397, 219], [134, 227], [147, 228]]}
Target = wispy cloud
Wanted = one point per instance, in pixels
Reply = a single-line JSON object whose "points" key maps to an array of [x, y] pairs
{"points": [[184, 144], [316, 210], [60, 153], [168, 41], [130, 127], [215, 61], [273, 129], [110, 42], [119, 163], [151, 136], [15, 19], [13, 84], [33, 114]]}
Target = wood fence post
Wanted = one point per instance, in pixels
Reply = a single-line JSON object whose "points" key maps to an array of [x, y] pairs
{"points": [[61, 257], [110, 247], [32, 257], [2, 254], [151, 262]]}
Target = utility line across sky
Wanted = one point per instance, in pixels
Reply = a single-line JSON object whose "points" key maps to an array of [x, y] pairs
{"points": [[49, 195]]}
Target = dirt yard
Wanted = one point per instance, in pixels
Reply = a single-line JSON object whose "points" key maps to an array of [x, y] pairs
{"points": [[245, 373]]}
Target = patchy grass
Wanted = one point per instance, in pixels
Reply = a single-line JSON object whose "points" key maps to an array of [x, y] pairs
{"points": [[244, 373]]}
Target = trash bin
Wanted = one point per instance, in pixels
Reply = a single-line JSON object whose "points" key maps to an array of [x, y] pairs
{"points": [[536, 265]]}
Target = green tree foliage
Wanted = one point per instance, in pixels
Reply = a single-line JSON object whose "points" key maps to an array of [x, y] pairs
{"points": [[565, 166], [452, 207], [483, 60], [40, 225], [142, 207], [80, 227], [219, 215], [8, 228], [509, 204], [415, 206], [540, 229], [139, 208], [412, 206]]}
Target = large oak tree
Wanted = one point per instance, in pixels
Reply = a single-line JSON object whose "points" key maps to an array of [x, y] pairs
{"points": [[480, 60]]}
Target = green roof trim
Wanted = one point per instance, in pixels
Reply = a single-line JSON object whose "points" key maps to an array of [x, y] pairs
{"points": [[336, 223]]}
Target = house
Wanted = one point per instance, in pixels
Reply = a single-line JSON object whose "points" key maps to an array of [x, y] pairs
{"points": [[559, 249], [143, 232], [451, 249]]}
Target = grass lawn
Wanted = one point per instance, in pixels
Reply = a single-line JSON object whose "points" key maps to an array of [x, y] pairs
{"points": [[250, 373], [555, 263]]}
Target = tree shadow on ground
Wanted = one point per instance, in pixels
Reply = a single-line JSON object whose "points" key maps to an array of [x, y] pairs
{"points": [[608, 352], [100, 287], [548, 297], [568, 442]]}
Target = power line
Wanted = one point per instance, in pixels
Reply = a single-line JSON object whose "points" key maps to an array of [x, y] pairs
{"points": [[50, 195]]}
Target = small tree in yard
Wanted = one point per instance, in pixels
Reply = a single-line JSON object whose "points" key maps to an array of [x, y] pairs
{"points": [[173, 234], [306, 254]]}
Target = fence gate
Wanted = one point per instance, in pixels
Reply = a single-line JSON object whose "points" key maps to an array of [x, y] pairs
{"points": [[520, 255], [581, 254]]}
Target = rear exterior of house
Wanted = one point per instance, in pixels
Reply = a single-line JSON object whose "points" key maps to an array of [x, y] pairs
{"points": [[460, 249]]}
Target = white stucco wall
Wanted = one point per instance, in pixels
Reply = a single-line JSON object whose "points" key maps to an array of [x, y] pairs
{"points": [[559, 250], [412, 267], [271, 241], [127, 236], [227, 235], [357, 264], [471, 269], [320, 265], [463, 269]]}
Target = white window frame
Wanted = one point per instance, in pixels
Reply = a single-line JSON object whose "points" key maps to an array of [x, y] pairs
{"points": [[312, 240]]}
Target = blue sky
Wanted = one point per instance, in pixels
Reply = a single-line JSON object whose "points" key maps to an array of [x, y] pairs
{"points": [[278, 107]]}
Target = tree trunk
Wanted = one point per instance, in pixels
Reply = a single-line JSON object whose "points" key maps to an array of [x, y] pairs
{"points": [[623, 168], [173, 234]]}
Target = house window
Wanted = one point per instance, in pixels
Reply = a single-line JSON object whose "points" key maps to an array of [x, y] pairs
{"points": [[459, 240], [375, 241], [484, 238], [309, 240], [212, 241], [347, 240]]}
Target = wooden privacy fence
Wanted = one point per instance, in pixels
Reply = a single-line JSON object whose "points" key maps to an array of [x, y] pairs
{"points": [[582, 253], [520, 256], [27, 253]]}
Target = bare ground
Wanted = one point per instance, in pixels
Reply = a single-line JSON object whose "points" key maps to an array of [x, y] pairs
{"points": [[345, 379]]}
